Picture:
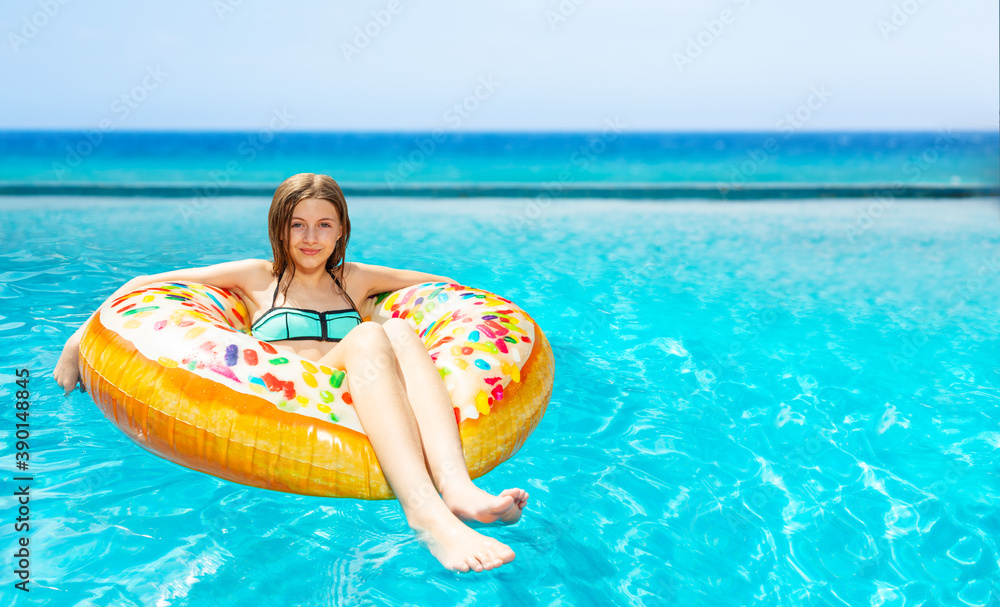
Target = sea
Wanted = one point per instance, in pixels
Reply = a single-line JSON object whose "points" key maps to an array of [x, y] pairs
{"points": [[607, 163]]}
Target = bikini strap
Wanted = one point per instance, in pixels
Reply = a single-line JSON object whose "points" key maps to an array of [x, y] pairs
{"points": [[274, 298], [348, 295]]}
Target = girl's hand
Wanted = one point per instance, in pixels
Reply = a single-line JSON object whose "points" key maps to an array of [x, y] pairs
{"points": [[67, 373]]}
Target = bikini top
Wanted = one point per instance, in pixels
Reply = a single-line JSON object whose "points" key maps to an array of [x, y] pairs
{"points": [[281, 324]]}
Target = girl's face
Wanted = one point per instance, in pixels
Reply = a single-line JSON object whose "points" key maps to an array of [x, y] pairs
{"points": [[313, 233]]}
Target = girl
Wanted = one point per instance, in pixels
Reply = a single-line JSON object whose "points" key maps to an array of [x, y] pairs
{"points": [[399, 396]]}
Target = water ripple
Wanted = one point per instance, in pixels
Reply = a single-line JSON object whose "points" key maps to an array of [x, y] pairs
{"points": [[748, 410]]}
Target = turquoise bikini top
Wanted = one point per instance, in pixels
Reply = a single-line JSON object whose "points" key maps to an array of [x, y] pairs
{"points": [[281, 324]]}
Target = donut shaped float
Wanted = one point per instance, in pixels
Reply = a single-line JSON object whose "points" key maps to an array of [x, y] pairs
{"points": [[174, 367]]}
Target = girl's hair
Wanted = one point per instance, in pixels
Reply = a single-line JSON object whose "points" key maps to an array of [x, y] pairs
{"points": [[290, 193]]}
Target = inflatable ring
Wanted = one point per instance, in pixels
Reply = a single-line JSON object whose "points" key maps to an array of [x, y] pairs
{"points": [[174, 367]]}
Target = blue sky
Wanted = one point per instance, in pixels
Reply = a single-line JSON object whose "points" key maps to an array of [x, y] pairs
{"points": [[511, 65]]}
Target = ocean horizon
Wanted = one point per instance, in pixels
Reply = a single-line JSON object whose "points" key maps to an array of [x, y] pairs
{"points": [[611, 163]]}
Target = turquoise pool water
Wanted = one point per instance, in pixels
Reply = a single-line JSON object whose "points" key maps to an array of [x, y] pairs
{"points": [[792, 403]]}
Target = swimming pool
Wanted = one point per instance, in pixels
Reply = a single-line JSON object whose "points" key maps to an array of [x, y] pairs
{"points": [[792, 403]]}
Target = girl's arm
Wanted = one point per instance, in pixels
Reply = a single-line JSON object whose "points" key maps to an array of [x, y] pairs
{"points": [[241, 276], [380, 279]]}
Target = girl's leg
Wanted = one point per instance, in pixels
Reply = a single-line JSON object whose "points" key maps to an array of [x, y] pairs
{"points": [[442, 445], [380, 401]]}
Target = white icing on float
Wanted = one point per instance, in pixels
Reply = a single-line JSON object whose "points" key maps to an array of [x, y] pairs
{"points": [[476, 339]]}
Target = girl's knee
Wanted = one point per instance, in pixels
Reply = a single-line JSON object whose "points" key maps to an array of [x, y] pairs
{"points": [[399, 330], [369, 336], [365, 341], [368, 351]]}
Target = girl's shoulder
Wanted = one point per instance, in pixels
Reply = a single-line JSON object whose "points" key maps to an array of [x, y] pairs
{"points": [[253, 279], [356, 279], [354, 269], [261, 270], [248, 274]]}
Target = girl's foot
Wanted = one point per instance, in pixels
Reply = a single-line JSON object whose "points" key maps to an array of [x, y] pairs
{"points": [[459, 548], [470, 503]]}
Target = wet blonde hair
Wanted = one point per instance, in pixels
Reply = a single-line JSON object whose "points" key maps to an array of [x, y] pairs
{"points": [[289, 194]]}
